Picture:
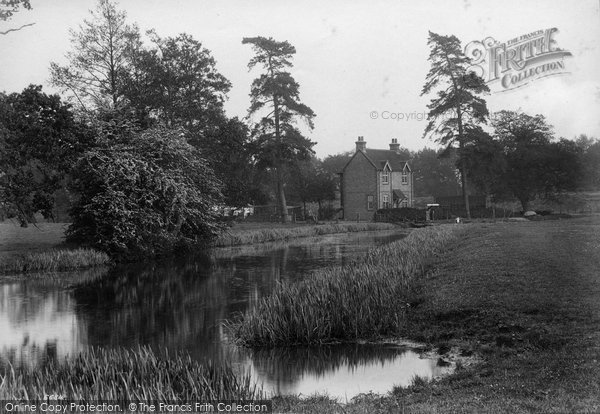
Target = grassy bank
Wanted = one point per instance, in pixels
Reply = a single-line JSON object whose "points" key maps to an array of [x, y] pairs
{"points": [[523, 296], [237, 236], [365, 299], [56, 260], [120, 374]]}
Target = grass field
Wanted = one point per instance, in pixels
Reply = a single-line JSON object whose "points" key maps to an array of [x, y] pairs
{"points": [[16, 239], [525, 297]]}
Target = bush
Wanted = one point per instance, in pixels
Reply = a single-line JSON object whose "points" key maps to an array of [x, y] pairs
{"points": [[144, 195]]}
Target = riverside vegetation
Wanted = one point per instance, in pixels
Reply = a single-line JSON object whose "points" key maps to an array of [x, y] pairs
{"points": [[362, 300], [235, 237], [120, 374]]}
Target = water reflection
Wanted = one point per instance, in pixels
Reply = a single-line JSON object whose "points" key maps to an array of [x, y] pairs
{"points": [[180, 305], [340, 371]]}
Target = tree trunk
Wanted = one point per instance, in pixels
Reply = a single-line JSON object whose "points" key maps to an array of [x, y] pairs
{"points": [[281, 196], [524, 204], [465, 191]]}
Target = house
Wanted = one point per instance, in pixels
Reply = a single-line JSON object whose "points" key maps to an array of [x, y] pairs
{"points": [[374, 179]]}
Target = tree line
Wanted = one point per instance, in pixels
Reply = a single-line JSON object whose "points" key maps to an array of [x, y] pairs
{"points": [[140, 139]]}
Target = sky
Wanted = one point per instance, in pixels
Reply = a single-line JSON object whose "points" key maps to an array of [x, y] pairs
{"points": [[361, 65]]}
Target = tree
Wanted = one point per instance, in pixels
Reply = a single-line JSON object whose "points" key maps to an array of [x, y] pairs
{"points": [[310, 182], [276, 95], [39, 141], [458, 104], [434, 174], [99, 59], [177, 83], [231, 154], [589, 162], [534, 164], [143, 194], [8, 8]]}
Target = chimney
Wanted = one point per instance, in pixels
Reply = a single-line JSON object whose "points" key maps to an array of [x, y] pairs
{"points": [[361, 145], [394, 146]]}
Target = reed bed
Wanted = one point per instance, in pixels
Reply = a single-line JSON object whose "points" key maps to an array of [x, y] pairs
{"points": [[362, 300], [54, 260], [133, 375], [237, 237]]}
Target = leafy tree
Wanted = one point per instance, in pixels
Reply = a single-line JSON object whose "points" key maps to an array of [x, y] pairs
{"points": [[8, 8], [177, 83], [534, 164], [434, 173], [39, 140], [334, 164], [230, 152], [457, 105], [485, 162], [275, 94], [310, 182], [146, 194], [589, 163], [99, 59]]}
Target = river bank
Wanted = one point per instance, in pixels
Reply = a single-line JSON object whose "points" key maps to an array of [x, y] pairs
{"points": [[40, 247], [524, 297]]}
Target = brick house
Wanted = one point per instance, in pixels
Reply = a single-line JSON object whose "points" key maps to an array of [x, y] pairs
{"points": [[374, 179]]}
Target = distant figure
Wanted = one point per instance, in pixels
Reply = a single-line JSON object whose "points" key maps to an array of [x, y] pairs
{"points": [[458, 220]]}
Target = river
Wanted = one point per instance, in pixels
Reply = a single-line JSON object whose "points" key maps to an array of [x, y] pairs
{"points": [[180, 305]]}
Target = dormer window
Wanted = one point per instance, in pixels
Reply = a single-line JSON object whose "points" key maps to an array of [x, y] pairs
{"points": [[404, 177], [385, 177]]}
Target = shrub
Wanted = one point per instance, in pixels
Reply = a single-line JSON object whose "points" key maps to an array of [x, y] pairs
{"points": [[144, 195]]}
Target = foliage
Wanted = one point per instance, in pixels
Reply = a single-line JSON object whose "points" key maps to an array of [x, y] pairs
{"points": [[275, 95], [334, 164], [362, 300], [144, 195], [590, 162], [231, 154], [309, 182], [8, 8], [457, 105], [100, 57], [176, 82], [40, 139], [534, 164], [434, 173], [128, 375]]}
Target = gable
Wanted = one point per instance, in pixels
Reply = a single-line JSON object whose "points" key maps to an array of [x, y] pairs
{"points": [[353, 159]]}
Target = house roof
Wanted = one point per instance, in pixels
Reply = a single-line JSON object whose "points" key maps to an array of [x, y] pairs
{"points": [[380, 158]]}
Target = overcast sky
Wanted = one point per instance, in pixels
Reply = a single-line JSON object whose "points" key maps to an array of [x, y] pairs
{"points": [[354, 58]]}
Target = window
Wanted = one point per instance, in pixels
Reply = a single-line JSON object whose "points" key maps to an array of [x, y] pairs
{"points": [[370, 202], [405, 204], [404, 177], [386, 201], [385, 177]]}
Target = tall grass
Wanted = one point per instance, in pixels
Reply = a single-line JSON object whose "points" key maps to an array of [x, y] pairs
{"points": [[236, 237], [121, 374], [52, 261], [362, 300]]}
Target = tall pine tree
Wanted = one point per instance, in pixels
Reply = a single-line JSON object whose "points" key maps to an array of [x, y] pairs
{"points": [[458, 106], [275, 96]]}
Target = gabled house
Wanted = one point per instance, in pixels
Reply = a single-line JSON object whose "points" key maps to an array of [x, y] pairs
{"points": [[374, 179]]}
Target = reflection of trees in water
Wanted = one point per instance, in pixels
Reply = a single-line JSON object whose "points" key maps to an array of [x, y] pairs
{"points": [[288, 365], [38, 319]]}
